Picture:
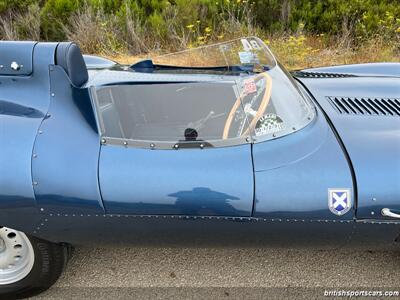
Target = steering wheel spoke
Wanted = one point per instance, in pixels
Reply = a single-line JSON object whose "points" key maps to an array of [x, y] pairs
{"points": [[249, 111]]}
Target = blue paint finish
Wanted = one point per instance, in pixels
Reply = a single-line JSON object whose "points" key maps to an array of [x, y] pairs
{"points": [[373, 142], [19, 53], [293, 174], [190, 194], [23, 103], [215, 181], [196, 231], [371, 69], [66, 163], [16, 110], [307, 141], [96, 62], [376, 234]]}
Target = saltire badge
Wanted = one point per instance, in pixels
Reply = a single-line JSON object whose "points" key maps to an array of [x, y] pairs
{"points": [[339, 201]]}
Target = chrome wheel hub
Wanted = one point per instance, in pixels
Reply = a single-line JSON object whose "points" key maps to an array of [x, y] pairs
{"points": [[16, 256]]}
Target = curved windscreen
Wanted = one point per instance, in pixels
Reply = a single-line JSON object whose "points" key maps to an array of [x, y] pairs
{"points": [[173, 109], [250, 51], [168, 113], [274, 105]]}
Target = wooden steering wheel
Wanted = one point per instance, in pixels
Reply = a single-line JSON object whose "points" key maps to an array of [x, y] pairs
{"points": [[260, 111]]}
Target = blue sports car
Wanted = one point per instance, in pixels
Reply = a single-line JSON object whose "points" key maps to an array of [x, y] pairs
{"points": [[214, 144]]}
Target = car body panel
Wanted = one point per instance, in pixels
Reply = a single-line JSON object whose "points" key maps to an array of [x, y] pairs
{"points": [[66, 152], [372, 142], [59, 182], [96, 62], [17, 59], [371, 69], [294, 184], [193, 231], [216, 181], [24, 103]]}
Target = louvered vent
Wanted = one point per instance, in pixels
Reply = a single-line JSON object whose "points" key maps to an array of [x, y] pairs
{"points": [[366, 106], [304, 74]]}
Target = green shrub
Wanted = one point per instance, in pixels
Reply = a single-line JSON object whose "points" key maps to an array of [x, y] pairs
{"points": [[361, 18], [15, 4], [54, 15], [174, 24]]}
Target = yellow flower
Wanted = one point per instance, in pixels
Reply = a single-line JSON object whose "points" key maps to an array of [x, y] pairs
{"points": [[267, 42], [190, 26], [207, 30], [220, 36]]}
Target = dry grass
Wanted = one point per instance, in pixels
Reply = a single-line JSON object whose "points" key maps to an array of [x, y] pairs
{"points": [[133, 38], [314, 52], [94, 31], [21, 25], [311, 51]]}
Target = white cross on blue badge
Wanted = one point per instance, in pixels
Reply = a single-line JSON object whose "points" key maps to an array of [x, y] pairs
{"points": [[339, 201]]}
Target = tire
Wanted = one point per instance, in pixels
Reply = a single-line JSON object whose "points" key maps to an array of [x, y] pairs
{"points": [[49, 260]]}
